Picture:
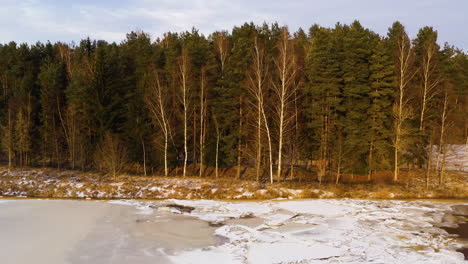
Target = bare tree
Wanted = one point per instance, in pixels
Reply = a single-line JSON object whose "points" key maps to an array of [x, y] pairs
{"points": [[203, 107], [257, 78], [442, 148], [221, 44], [157, 103], [339, 158], [183, 63], [294, 152], [430, 157], [401, 108], [286, 68], [430, 80], [111, 155]]}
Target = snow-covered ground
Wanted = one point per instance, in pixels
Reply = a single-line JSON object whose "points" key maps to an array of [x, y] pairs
{"points": [[456, 157], [319, 231]]}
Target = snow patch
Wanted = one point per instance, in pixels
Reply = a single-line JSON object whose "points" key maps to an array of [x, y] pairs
{"points": [[283, 252], [316, 207]]}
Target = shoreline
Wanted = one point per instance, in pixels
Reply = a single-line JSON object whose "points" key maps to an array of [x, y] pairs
{"points": [[89, 199], [47, 183]]}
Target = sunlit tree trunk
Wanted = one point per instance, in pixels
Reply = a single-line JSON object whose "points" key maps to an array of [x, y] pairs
{"points": [[440, 167], [221, 43], [404, 60], [286, 69], [185, 99], [270, 148], [257, 77], [202, 118], [430, 81], [156, 101]]}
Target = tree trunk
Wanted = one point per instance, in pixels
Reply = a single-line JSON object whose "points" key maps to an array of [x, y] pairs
{"points": [[239, 144], [258, 161], [144, 156], [183, 67], [10, 136], [405, 75], [442, 145], [270, 149], [217, 146], [202, 120]]}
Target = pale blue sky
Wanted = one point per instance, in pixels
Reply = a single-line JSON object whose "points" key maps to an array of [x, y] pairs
{"points": [[67, 20]]}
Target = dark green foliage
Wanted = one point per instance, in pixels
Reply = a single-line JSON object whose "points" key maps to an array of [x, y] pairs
{"points": [[382, 96], [59, 101], [357, 47], [323, 92]]}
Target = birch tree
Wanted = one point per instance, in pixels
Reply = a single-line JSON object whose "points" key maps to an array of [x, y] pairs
{"points": [[203, 107], [404, 59], [428, 71], [442, 147], [157, 103], [185, 96], [285, 64], [221, 44], [257, 80]]}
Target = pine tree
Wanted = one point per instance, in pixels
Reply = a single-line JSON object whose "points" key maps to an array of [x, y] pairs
{"points": [[53, 81], [322, 96], [356, 101], [228, 102], [382, 80]]}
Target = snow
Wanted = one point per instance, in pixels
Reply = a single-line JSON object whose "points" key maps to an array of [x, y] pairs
{"points": [[325, 231], [143, 207], [215, 211], [321, 208], [209, 255], [282, 252], [318, 231], [456, 157]]}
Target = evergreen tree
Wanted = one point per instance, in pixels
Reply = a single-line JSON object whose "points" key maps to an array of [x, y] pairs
{"points": [[323, 96], [356, 100], [53, 80], [382, 80]]}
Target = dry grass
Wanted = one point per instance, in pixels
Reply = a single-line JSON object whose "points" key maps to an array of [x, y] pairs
{"points": [[53, 183]]}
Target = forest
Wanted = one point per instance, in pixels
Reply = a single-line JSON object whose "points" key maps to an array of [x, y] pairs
{"points": [[260, 102]]}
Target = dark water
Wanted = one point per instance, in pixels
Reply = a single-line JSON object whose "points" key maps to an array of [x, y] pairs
{"points": [[462, 230]]}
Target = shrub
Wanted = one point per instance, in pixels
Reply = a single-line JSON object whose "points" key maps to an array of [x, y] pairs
{"points": [[111, 155]]}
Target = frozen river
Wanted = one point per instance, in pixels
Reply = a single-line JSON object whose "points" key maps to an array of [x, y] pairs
{"points": [[175, 231]]}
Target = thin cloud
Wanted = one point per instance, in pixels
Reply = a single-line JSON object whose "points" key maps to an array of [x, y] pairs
{"points": [[34, 20]]}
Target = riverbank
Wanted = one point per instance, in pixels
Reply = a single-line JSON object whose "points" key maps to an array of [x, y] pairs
{"points": [[52, 183]]}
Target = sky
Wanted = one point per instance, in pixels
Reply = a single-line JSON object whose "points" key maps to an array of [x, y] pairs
{"points": [[67, 20]]}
